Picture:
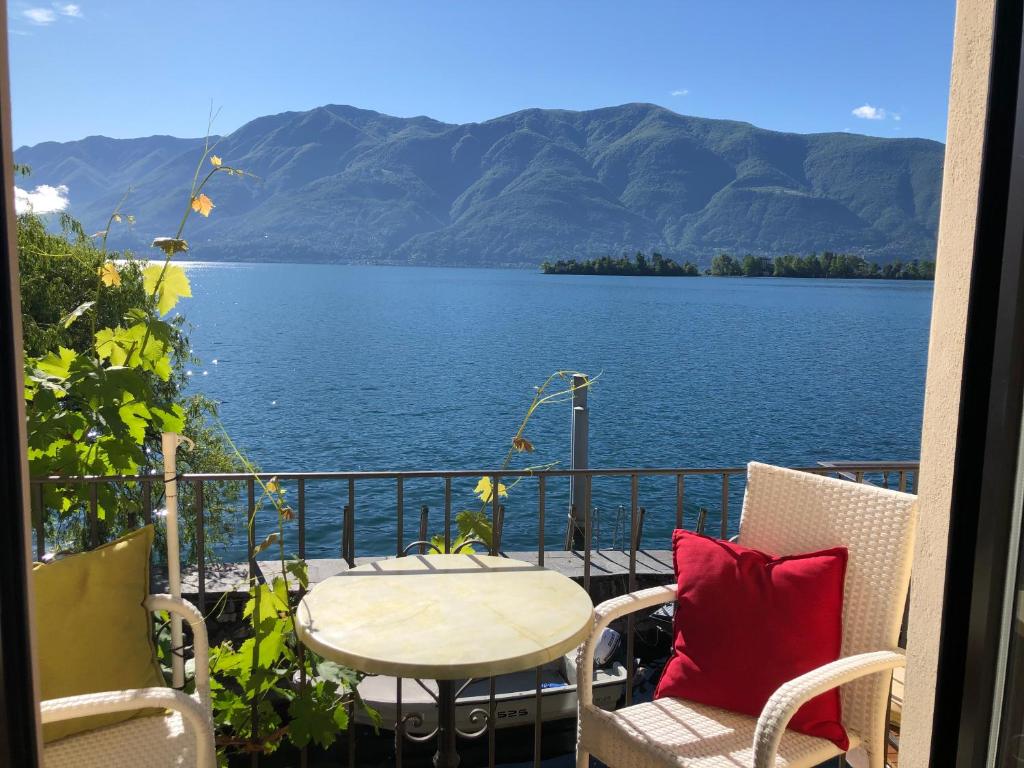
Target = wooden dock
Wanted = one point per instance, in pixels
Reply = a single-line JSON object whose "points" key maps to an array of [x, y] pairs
{"points": [[609, 571]]}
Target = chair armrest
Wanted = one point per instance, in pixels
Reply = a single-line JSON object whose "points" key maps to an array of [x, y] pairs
{"points": [[200, 640], [604, 615], [790, 696], [85, 705]]}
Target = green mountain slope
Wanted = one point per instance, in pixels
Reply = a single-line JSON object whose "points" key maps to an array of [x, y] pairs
{"points": [[338, 183]]}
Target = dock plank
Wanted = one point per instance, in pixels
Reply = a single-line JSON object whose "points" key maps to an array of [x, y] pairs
{"points": [[606, 563]]}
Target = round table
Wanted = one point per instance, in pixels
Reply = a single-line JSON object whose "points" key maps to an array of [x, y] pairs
{"points": [[446, 618]]}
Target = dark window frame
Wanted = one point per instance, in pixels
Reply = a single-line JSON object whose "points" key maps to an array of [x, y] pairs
{"points": [[984, 474], [19, 734], [989, 424]]}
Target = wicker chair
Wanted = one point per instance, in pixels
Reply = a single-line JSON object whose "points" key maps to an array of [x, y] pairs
{"points": [[183, 737], [784, 511]]}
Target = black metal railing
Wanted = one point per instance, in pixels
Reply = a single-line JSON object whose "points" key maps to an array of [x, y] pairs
{"points": [[685, 497]]}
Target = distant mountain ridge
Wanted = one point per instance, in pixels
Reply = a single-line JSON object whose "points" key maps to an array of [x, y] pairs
{"points": [[341, 184]]}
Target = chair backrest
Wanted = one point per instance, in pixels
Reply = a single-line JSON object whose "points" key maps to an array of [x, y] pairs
{"points": [[789, 512]]}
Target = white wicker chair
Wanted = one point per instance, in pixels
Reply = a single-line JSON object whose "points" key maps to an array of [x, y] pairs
{"points": [[784, 511], [184, 737]]}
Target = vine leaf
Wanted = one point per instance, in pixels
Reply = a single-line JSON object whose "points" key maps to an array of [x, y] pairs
{"points": [[485, 490], [78, 311], [172, 287], [57, 365], [169, 421], [202, 205], [297, 568], [169, 245], [135, 416], [314, 719], [473, 525], [267, 542], [522, 444], [109, 275]]}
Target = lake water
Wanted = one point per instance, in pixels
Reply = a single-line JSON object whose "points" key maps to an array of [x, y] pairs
{"points": [[381, 368]]}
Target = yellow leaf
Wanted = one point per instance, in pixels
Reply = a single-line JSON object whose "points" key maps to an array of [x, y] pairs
{"points": [[215, 161], [168, 290], [109, 275], [485, 490], [202, 205], [117, 217]]}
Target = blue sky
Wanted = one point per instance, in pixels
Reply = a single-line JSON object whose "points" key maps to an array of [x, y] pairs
{"points": [[138, 68]]}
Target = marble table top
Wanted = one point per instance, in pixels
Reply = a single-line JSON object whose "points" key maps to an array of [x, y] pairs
{"points": [[444, 617]]}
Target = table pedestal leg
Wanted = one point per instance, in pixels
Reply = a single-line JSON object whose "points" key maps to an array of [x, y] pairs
{"points": [[446, 756]]}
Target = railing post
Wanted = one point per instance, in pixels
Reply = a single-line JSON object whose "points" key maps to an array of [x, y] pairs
{"points": [[447, 515], [579, 457], [169, 444], [725, 505], [424, 513], [400, 515]]}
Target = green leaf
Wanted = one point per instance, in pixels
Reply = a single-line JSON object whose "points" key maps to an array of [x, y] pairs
{"points": [[135, 416], [76, 313], [474, 524], [298, 569], [314, 718], [169, 421], [57, 365], [343, 677], [109, 345]]}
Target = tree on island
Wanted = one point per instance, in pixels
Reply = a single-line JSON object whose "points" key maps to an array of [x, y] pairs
{"points": [[829, 265], [658, 265]]}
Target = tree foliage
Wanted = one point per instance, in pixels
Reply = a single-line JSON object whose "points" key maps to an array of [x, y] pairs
{"points": [[74, 297], [824, 265], [638, 265], [103, 379]]}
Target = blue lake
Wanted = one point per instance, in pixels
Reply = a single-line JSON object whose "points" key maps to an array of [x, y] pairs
{"points": [[382, 368]]}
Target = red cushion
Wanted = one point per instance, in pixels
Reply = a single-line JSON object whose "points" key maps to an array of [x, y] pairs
{"points": [[746, 622]]}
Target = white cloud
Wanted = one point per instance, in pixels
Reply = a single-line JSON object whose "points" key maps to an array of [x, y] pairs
{"points": [[42, 199], [681, 92], [897, 116], [867, 112], [69, 9], [40, 16]]}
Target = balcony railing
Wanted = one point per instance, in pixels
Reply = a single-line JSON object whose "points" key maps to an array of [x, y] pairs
{"points": [[704, 498]]}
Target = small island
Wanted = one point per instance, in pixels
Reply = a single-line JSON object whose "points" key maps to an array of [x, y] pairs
{"points": [[838, 266]]}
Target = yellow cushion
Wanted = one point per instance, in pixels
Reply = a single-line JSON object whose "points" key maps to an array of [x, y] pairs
{"points": [[93, 633]]}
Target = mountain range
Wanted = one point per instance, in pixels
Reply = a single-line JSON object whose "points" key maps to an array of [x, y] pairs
{"points": [[341, 184]]}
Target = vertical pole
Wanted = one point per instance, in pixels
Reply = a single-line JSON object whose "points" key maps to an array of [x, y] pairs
{"points": [[302, 519], [169, 443], [680, 495], [725, 505], [351, 554], [446, 755], [541, 492], [424, 513], [400, 513], [579, 459], [447, 515], [200, 542], [634, 543]]}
